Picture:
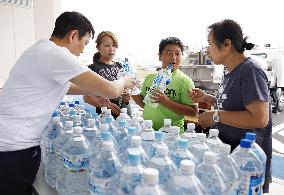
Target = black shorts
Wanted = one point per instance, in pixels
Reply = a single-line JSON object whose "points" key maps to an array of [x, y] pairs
{"points": [[18, 170]]}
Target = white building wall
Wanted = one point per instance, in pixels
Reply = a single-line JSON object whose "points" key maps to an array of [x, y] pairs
{"points": [[22, 27]]}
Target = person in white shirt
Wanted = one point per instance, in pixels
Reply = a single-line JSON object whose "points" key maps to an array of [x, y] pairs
{"points": [[40, 78]]}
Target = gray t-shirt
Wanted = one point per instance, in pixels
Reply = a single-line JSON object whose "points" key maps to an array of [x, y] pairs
{"points": [[244, 84]]}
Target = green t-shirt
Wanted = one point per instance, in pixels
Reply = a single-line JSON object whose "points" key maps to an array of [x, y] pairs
{"points": [[177, 91]]}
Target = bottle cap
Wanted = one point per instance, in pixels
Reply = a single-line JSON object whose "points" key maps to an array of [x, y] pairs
{"points": [[148, 124], [190, 126], [151, 176], [106, 136], [245, 143], [107, 146], [68, 124], [250, 136], [214, 132], [71, 105], [183, 143], [136, 140], [134, 157], [174, 130], [77, 102], [131, 130], [103, 127], [187, 166], [108, 119], [54, 114], [77, 130], [210, 157]]}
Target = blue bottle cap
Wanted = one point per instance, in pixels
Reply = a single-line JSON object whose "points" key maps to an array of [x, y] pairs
{"points": [[250, 136], [77, 102], [106, 135], [158, 135], [131, 130], [54, 114], [134, 157], [183, 143], [170, 66], [71, 105], [62, 103], [108, 119], [245, 143]]}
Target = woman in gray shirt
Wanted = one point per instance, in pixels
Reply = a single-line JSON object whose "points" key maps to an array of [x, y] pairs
{"points": [[242, 103]]}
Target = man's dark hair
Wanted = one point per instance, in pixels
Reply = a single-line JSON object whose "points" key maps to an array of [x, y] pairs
{"points": [[170, 41], [68, 21], [229, 29]]}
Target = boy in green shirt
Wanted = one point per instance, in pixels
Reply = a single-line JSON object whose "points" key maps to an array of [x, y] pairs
{"points": [[174, 103]]}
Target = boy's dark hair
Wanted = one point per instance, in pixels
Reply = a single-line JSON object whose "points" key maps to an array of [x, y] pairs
{"points": [[168, 41], [68, 21], [229, 29]]}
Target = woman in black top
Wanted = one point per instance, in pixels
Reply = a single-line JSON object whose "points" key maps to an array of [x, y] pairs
{"points": [[103, 64]]}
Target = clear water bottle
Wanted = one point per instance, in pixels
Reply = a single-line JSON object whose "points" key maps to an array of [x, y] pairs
{"points": [[159, 137], [102, 115], [211, 175], [162, 162], [252, 170], [160, 82], [134, 122], [60, 141], [213, 140], [46, 128], [78, 121], [190, 134], [172, 138], [130, 176], [255, 148], [62, 109], [106, 136], [126, 141], [185, 182], [148, 136], [103, 170], [141, 120], [199, 147], [167, 126], [92, 134], [123, 115], [150, 183], [121, 131], [111, 125], [182, 153], [135, 145], [229, 167], [49, 146], [89, 115], [76, 163]]}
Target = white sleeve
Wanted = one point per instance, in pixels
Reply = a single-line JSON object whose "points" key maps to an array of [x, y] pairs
{"points": [[63, 66]]}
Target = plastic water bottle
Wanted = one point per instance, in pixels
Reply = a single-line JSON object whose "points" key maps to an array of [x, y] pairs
{"points": [[76, 163], [252, 170], [60, 141], [150, 183], [172, 138], [130, 176], [91, 133], [255, 148], [111, 125], [134, 122], [162, 162], [89, 115], [190, 134], [102, 115], [62, 109], [103, 170], [229, 167], [211, 175], [107, 136], [199, 147], [141, 121], [213, 140], [49, 146], [185, 182], [121, 131], [78, 121], [159, 136], [46, 128], [123, 115], [126, 141], [148, 136], [160, 82], [182, 153], [167, 126], [135, 145]]}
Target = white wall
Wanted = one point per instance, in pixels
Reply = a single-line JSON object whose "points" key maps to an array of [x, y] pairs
{"points": [[21, 27]]}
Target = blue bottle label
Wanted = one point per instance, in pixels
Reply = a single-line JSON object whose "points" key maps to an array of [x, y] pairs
{"points": [[76, 163]]}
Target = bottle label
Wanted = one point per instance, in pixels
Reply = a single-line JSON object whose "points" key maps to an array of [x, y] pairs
{"points": [[251, 184], [76, 163], [50, 148], [98, 185]]}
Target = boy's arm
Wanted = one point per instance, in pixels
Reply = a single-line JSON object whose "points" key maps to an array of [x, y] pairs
{"points": [[180, 109], [138, 100]]}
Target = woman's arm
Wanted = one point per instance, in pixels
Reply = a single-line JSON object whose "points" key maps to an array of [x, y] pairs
{"points": [[138, 100]]}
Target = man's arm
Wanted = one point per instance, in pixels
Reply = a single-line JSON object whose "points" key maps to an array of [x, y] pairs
{"points": [[181, 109], [95, 84]]}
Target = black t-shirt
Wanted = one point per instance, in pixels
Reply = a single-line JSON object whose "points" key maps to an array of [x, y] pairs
{"points": [[109, 72]]}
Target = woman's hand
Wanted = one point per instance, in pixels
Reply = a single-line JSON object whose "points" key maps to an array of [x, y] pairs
{"points": [[102, 102], [114, 109], [197, 95]]}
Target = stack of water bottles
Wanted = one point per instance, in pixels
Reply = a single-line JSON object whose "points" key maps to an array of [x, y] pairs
{"points": [[86, 153]]}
